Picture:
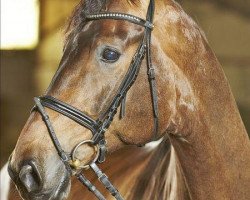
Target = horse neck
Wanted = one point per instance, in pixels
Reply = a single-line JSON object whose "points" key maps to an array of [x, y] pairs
{"points": [[211, 143], [205, 127]]}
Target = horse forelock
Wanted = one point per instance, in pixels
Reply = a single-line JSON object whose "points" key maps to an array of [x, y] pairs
{"points": [[78, 16]]}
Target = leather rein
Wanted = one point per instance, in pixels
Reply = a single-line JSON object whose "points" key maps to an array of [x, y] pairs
{"points": [[98, 127]]}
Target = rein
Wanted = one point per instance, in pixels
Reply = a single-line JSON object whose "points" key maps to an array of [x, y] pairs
{"points": [[98, 127]]}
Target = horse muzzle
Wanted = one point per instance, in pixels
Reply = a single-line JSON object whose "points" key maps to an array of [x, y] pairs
{"points": [[32, 185]]}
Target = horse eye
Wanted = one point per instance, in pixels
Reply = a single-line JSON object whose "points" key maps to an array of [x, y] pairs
{"points": [[110, 55]]}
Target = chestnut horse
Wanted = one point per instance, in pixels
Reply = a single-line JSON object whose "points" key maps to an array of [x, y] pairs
{"points": [[204, 151]]}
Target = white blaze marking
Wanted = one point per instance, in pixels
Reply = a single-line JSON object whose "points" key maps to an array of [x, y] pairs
{"points": [[4, 183]]}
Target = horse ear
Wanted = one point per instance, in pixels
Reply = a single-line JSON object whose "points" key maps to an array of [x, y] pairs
{"points": [[93, 6]]}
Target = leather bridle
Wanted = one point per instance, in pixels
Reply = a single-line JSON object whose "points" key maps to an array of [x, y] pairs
{"points": [[98, 127]]}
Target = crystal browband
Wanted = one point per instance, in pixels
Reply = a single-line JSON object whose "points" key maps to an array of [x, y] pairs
{"points": [[119, 16]]}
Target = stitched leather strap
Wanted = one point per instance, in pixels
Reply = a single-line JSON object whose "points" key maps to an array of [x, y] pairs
{"points": [[105, 181], [69, 111], [151, 71], [64, 157], [90, 186]]}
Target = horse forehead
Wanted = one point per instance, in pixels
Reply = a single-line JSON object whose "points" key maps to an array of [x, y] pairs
{"points": [[118, 28], [119, 6]]}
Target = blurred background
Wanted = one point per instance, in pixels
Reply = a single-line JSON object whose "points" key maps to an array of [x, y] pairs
{"points": [[31, 46]]}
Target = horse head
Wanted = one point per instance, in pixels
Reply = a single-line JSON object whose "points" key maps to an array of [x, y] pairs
{"points": [[96, 59]]}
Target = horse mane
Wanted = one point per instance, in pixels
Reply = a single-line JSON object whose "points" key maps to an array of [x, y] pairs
{"points": [[160, 157]]}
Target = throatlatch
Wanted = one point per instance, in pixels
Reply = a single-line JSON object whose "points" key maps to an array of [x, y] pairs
{"points": [[98, 127]]}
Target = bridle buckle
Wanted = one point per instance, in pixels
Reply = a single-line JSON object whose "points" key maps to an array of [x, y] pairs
{"points": [[151, 73], [149, 25]]}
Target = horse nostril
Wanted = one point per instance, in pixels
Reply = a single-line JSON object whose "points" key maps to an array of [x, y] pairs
{"points": [[30, 177]]}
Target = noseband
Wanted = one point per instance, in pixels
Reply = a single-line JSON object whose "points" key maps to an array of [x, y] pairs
{"points": [[98, 127]]}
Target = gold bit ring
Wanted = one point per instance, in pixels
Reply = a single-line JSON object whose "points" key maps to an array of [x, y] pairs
{"points": [[76, 163]]}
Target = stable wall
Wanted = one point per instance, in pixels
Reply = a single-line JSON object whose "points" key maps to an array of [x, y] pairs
{"points": [[25, 74]]}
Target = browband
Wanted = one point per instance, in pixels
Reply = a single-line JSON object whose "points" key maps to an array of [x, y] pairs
{"points": [[121, 16]]}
